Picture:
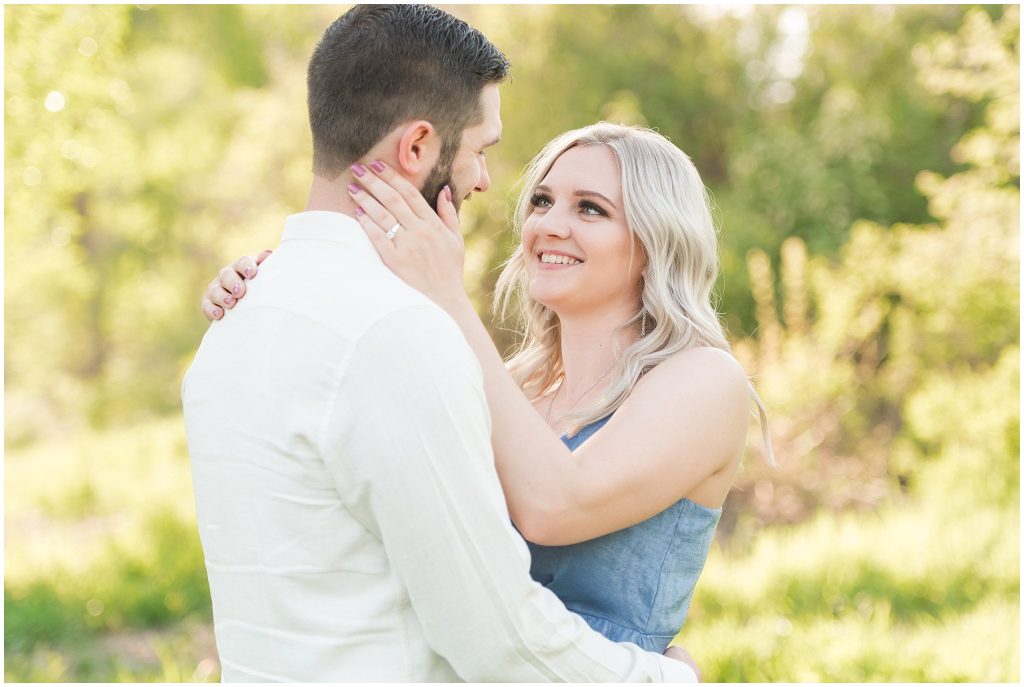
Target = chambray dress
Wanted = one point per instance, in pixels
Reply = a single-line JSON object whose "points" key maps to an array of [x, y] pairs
{"points": [[634, 585]]}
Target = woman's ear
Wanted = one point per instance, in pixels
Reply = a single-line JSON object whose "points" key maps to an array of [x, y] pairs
{"points": [[419, 148]]}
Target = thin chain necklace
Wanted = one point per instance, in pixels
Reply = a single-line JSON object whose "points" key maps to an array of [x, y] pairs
{"points": [[547, 415]]}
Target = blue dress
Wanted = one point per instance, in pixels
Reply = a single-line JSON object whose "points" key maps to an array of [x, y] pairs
{"points": [[634, 585]]}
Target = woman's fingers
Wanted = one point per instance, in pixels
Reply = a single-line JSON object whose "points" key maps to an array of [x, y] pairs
{"points": [[210, 311], [224, 291], [377, 212], [447, 212], [680, 654], [384, 178], [231, 282], [369, 187], [218, 295], [245, 267], [385, 246]]}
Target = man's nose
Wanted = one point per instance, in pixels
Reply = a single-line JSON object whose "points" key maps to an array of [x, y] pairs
{"points": [[484, 180]]}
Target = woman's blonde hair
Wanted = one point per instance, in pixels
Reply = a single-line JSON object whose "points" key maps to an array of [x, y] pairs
{"points": [[668, 210]]}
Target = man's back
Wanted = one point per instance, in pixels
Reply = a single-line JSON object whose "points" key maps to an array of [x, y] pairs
{"points": [[301, 589]]}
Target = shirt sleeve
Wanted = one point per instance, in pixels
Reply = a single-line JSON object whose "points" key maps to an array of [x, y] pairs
{"points": [[411, 418]]}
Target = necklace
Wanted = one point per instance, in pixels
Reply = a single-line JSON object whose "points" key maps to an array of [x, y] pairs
{"points": [[547, 415]]}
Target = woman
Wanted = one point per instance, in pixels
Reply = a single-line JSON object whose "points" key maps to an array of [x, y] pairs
{"points": [[623, 357]]}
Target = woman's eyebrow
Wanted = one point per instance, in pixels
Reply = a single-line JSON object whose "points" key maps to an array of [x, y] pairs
{"points": [[583, 192], [599, 195]]}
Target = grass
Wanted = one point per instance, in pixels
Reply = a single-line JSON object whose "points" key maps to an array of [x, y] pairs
{"points": [[104, 575], [908, 595], [104, 581]]}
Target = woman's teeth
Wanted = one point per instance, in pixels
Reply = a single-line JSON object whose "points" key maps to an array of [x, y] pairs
{"points": [[558, 259]]}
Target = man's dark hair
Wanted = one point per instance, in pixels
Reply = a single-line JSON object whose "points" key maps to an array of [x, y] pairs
{"points": [[377, 66]]}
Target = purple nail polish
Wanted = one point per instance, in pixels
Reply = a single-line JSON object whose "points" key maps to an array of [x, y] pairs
{"points": [[228, 300], [377, 166], [354, 188], [360, 211], [249, 272], [358, 170], [236, 289]]}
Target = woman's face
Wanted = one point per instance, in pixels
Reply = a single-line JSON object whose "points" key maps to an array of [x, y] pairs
{"points": [[576, 241]]}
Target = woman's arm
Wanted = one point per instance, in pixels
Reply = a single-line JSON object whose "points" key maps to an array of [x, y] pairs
{"points": [[684, 422]]}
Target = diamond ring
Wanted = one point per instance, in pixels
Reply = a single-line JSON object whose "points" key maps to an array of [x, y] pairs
{"points": [[390, 233]]}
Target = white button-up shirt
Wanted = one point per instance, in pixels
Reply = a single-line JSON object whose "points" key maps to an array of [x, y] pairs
{"points": [[348, 505]]}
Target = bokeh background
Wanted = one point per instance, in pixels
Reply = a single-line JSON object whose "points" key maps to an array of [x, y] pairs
{"points": [[864, 161]]}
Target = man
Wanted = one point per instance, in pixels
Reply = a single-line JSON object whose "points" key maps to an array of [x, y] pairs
{"points": [[350, 513]]}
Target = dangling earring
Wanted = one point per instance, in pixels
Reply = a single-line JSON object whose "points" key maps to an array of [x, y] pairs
{"points": [[643, 325]]}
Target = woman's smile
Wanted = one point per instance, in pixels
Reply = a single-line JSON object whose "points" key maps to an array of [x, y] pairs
{"points": [[556, 260]]}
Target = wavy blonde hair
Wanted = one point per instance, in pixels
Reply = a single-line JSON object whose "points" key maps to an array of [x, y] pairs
{"points": [[668, 210]]}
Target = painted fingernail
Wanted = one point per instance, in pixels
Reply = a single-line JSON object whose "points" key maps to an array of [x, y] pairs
{"points": [[358, 170], [228, 300], [448, 193], [377, 166], [237, 289], [360, 212], [354, 189], [250, 272], [218, 313]]}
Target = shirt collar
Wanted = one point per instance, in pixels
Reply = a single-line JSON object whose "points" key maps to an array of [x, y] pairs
{"points": [[323, 225]]}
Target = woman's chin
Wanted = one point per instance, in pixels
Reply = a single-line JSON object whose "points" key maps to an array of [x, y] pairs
{"points": [[548, 297]]}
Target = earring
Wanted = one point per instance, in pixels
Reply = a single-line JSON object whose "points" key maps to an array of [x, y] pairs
{"points": [[643, 325]]}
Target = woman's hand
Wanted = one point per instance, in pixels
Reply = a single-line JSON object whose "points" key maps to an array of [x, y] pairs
{"points": [[229, 285], [425, 248], [680, 654]]}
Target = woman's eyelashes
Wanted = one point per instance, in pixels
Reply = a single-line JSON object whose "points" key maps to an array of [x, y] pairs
{"points": [[587, 207], [539, 200]]}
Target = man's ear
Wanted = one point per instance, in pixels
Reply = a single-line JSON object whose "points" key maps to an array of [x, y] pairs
{"points": [[418, 148]]}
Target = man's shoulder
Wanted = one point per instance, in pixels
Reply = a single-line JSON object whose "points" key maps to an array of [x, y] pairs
{"points": [[345, 292], [418, 331]]}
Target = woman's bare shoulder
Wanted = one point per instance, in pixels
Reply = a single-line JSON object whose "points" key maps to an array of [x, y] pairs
{"points": [[702, 365]]}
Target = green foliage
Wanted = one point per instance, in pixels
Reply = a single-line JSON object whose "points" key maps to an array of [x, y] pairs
{"points": [[904, 351], [158, 168], [904, 346], [135, 139], [792, 142]]}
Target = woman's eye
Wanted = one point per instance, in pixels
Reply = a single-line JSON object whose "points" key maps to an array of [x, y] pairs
{"points": [[538, 200], [592, 209]]}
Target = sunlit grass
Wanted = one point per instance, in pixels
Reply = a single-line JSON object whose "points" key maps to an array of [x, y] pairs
{"points": [[101, 543], [105, 581], [906, 594], [183, 653], [979, 645]]}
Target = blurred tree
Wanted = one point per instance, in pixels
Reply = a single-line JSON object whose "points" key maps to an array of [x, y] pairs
{"points": [[147, 146], [119, 123], [800, 119], [905, 349]]}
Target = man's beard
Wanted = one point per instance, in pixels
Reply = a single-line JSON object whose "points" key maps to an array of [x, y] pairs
{"points": [[439, 177]]}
